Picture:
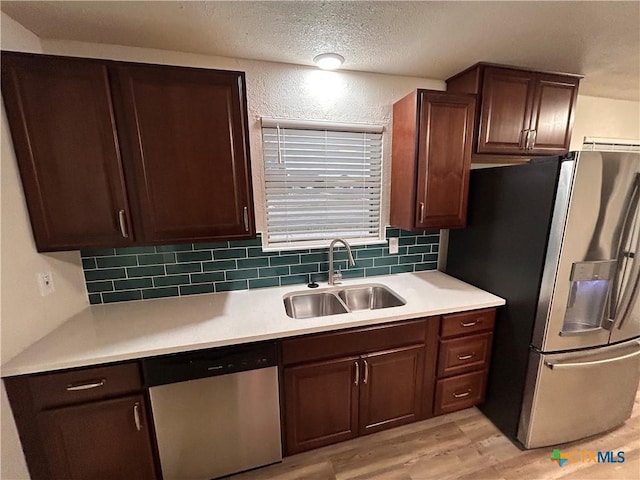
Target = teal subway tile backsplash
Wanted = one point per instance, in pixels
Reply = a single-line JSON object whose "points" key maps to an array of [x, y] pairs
{"points": [[106, 274], [137, 273], [195, 289], [235, 285], [160, 292], [111, 297]]}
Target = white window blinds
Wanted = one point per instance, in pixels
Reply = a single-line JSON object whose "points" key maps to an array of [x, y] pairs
{"points": [[321, 182]]}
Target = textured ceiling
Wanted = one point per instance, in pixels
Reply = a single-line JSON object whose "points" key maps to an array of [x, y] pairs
{"points": [[600, 40]]}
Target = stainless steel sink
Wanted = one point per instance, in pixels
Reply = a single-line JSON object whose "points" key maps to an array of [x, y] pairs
{"points": [[317, 304], [369, 297], [332, 301]]}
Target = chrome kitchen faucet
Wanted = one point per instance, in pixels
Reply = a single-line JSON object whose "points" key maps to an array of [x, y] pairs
{"points": [[333, 276]]}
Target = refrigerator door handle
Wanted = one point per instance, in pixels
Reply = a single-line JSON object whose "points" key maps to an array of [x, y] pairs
{"points": [[553, 365], [618, 294], [626, 311]]}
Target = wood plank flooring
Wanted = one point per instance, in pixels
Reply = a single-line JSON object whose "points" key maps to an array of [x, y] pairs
{"points": [[460, 445]]}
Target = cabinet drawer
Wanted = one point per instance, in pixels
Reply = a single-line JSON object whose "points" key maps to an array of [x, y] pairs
{"points": [[462, 391], [467, 322], [352, 342], [67, 388], [464, 354]]}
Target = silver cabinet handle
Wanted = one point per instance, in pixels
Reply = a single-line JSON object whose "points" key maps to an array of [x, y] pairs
{"points": [[534, 134], [86, 386], [421, 212], [245, 217], [522, 144], [366, 372], [527, 143], [136, 416], [470, 324], [357, 379], [466, 357], [123, 224], [462, 395]]}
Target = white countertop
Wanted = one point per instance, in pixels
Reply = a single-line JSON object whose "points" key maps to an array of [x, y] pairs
{"points": [[130, 330]]}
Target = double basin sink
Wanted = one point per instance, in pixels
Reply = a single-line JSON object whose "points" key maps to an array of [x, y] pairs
{"points": [[333, 301]]}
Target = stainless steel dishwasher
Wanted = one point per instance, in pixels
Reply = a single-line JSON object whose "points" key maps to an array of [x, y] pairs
{"points": [[215, 411]]}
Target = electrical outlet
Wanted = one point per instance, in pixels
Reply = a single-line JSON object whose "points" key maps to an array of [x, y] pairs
{"points": [[45, 282], [393, 246]]}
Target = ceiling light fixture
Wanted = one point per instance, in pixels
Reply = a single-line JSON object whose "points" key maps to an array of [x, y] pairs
{"points": [[328, 61]]}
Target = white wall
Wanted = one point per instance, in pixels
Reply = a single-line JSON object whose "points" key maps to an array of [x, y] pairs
{"points": [[605, 117], [25, 316]]}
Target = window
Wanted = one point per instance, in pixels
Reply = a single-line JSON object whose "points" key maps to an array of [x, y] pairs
{"points": [[322, 181]]}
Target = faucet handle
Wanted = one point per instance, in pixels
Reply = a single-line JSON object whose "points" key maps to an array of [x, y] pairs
{"points": [[337, 275]]}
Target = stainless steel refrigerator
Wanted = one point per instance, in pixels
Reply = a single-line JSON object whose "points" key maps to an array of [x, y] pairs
{"points": [[559, 239]]}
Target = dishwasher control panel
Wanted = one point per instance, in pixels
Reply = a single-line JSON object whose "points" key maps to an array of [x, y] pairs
{"points": [[182, 367]]}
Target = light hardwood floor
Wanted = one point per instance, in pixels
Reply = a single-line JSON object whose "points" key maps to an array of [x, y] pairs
{"points": [[460, 445]]}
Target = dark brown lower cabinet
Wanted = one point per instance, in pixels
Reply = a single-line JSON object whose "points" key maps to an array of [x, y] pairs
{"points": [[391, 388], [343, 384], [321, 403], [84, 424], [334, 400], [464, 355], [99, 440], [461, 391]]}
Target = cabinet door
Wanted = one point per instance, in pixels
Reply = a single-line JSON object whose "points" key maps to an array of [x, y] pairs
{"points": [[99, 440], [185, 131], [62, 124], [444, 159], [391, 388], [507, 96], [552, 114], [321, 403]]}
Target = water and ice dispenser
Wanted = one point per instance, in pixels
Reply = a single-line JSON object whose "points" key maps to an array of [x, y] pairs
{"points": [[590, 288]]}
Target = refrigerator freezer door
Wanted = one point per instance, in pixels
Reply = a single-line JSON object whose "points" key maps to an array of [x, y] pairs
{"points": [[593, 203], [624, 309], [573, 395]]}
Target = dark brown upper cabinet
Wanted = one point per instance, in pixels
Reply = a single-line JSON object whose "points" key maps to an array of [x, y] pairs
{"points": [[114, 153], [520, 112], [63, 128], [184, 135], [431, 156]]}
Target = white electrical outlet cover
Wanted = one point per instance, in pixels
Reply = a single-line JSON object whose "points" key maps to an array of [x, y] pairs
{"points": [[45, 282], [393, 245]]}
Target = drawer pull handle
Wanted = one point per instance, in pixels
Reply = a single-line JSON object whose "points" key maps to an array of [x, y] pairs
{"points": [[462, 395], [136, 416], [467, 357], [471, 324], [86, 386], [215, 367], [357, 379]]}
